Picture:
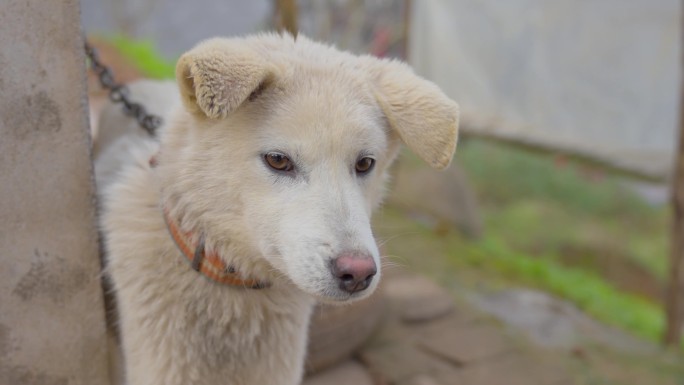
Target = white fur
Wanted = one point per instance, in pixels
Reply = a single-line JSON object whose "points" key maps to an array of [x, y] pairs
{"points": [[321, 107]]}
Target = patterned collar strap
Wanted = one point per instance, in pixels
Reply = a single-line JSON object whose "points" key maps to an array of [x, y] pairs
{"points": [[208, 264]]}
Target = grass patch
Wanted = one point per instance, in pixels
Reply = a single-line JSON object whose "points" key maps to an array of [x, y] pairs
{"points": [[540, 214], [587, 290], [145, 56], [455, 258], [504, 174], [555, 226], [534, 206]]}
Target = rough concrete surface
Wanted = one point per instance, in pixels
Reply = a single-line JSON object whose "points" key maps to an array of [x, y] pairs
{"points": [[52, 329]]}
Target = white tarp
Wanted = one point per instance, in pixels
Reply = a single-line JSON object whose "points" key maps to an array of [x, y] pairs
{"points": [[599, 78]]}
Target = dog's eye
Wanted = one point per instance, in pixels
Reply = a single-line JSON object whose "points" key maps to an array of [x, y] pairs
{"points": [[364, 165], [278, 161]]}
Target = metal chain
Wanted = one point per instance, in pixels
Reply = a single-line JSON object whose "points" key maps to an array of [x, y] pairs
{"points": [[118, 93]]}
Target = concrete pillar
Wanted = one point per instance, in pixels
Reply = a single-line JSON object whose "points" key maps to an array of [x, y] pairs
{"points": [[52, 328]]}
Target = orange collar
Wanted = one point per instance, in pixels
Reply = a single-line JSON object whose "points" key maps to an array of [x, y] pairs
{"points": [[210, 265]]}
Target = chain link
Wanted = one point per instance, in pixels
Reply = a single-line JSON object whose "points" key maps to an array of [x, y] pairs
{"points": [[118, 93]]}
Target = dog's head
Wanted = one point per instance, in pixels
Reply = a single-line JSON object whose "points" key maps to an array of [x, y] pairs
{"points": [[283, 151]]}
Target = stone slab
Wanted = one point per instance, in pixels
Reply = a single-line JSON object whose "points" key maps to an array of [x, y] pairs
{"points": [[463, 346], [401, 361], [452, 201], [422, 379], [515, 369], [418, 299]]}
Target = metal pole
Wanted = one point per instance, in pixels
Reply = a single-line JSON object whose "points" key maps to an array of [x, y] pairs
{"points": [[286, 16], [674, 301]]}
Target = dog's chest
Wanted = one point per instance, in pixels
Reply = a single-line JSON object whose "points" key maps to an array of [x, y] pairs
{"points": [[262, 328], [210, 333], [185, 328]]}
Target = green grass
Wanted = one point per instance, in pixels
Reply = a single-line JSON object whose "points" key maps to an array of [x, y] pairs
{"points": [[455, 258], [145, 56], [505, 174], [534, 206], [586, 289], [541, 215], [554, 227]]}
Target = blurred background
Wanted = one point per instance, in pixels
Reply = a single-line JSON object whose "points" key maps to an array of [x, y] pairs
{"points": [[543, 255]]}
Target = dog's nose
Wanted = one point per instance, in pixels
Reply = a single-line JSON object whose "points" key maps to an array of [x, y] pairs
{"points": [[354, 272]]}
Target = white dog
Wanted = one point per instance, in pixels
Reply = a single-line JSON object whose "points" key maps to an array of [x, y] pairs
{"points": [[256, 203]]}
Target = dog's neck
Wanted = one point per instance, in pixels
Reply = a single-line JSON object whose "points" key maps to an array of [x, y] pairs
{"points": [[208, 264], [192, 246]]}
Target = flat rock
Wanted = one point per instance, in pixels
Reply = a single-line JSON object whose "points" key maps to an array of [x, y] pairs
{"points": [[346, 373], [516, 370], [418, 299], [452, 201], [552, 322], [421, 379], [393, 363], [463, 346]]}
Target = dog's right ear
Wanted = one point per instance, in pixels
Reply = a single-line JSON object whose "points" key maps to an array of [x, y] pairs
{"points": [[423, 116], [218, 75]]}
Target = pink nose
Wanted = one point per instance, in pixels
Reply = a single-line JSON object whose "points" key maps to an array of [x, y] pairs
{"points": [[354, 272]]}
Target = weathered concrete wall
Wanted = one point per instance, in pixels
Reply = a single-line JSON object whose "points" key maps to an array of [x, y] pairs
{"points": [[52, 329]]}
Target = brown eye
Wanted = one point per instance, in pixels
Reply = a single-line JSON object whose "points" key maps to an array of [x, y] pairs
{"points": [[278, 161], [364, 165]]}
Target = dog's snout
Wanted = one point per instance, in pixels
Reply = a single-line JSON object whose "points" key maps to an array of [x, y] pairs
{"points": [[354, 272]]}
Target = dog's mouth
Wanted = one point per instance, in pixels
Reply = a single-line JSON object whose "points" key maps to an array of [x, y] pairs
{"points": [[342, 297], [330, 275], [339, 289]]}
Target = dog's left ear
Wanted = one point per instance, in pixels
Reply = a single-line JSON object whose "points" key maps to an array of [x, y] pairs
{"points": [[218, 75], [425, 119]]}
